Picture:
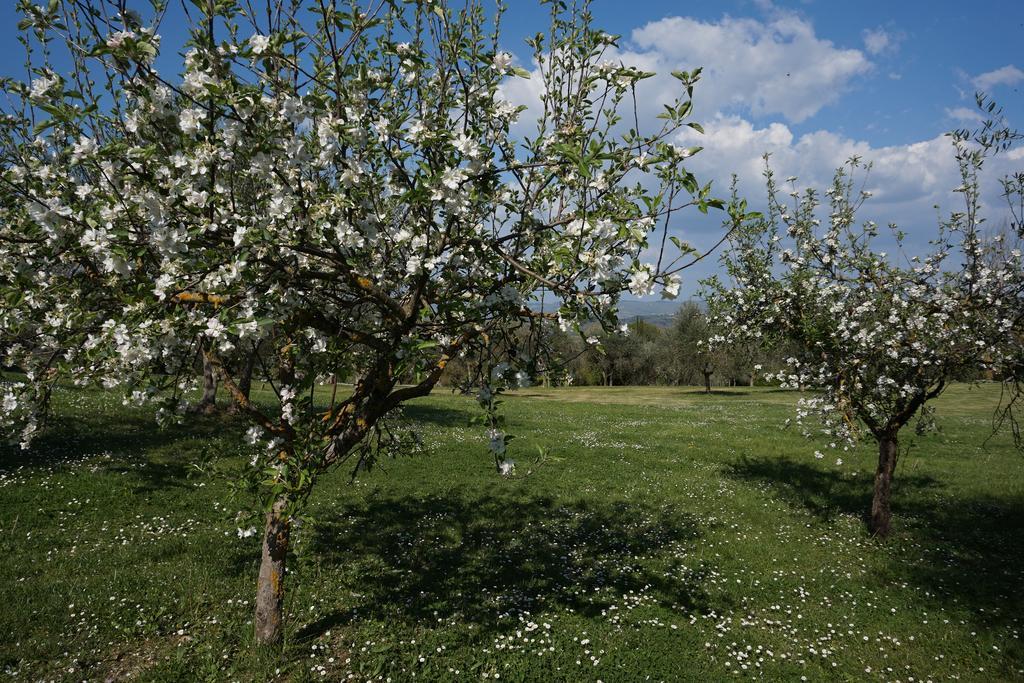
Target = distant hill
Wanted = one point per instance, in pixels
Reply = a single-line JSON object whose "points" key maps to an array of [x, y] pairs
{"points": [[644, 309], [662, 321], [659, 313], [656, 312]]}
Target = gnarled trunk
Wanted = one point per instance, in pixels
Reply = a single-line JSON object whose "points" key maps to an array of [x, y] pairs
{"points": [[208, 403], [269, 620], [881, 514], [707, 380], [209, 384], [245, 379]]}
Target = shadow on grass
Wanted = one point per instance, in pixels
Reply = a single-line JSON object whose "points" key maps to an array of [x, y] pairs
{"points": [[484, 561], [964, 550], [715, 392], [158, 458], [824, 493], [432, 414]]}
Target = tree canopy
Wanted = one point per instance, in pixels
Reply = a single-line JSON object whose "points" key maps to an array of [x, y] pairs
{"points": [[348, 190]]}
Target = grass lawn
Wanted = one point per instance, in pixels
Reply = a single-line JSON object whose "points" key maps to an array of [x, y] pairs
{"points": [[668, 536]]}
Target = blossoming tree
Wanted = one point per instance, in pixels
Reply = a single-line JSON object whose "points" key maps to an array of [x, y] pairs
{"points": [[878, 333], [994, 136], [344, 189]]}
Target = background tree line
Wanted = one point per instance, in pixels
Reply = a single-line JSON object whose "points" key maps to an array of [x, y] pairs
{"points": [[642, 353]]}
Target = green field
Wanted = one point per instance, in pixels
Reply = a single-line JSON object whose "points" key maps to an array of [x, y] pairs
{"points": [[667, 536]]}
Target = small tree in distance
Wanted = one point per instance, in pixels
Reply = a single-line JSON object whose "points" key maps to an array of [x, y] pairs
{"points": [[878, 333], [693, 359], [339, 189]]}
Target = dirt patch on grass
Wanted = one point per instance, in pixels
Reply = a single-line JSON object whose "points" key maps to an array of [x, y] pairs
{"points": [[131, 660]]}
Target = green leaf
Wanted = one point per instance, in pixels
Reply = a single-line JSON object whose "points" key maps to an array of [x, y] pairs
{"points": [[43, 125]]}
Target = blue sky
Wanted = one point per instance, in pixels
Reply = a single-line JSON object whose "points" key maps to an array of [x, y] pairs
{"points": [[812, 82], [921, 55]]}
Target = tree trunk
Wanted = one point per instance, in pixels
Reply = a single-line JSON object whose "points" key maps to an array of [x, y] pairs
{"points": [[269, 620], [245, 379], [881, 514], [208, 403], [707, 381]]}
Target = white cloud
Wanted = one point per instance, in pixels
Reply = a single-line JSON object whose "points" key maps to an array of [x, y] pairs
{"points": [[777, 66], [878, 40], [774, 67], [907, 181], [1007, 75], [965, 114]]}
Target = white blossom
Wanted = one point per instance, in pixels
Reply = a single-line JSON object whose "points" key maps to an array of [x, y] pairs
{"points": [[502, 61], [191, 120], [259, 43], [641, 281]]}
